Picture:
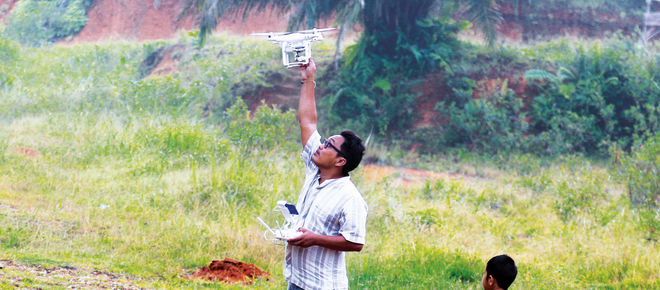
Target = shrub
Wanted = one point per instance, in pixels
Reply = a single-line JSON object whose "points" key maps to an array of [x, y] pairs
{"points": [[574, 196], [163, 94], [374, 90], [40, 22], [640, 170], [8, 54], [495, 122], [8, 50], [268, 128], [596, 96]]}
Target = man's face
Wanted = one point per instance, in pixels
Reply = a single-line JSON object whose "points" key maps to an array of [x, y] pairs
{"points": [[327, 156]]}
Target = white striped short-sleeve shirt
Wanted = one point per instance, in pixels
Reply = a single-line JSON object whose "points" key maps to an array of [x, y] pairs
{"points": [[332, 208]]}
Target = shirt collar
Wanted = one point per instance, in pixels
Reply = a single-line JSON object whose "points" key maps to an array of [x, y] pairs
{"points": [[331, 181]]}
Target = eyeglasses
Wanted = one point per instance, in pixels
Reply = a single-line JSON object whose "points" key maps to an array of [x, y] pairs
{"points": [[327, 143]]}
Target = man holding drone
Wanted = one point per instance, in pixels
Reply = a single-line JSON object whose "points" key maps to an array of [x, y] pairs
{"points": [[333, 214]]}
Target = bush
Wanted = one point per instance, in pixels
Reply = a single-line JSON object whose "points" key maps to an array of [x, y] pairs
{"points": [[40, 22], [162, 94], [597, 96], [495, 122], [8, 50], [639, 171], [8, 54], [374, 90], [267, 128]]}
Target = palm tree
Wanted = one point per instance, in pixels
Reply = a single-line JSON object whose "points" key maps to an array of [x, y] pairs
{"points": [[400, 42], [374, 15]]}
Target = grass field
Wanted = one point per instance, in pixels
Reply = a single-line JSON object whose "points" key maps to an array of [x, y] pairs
{"points": [[101, 169]]}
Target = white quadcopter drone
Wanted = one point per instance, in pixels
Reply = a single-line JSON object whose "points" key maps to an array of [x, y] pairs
{"points": [[296, 46]]}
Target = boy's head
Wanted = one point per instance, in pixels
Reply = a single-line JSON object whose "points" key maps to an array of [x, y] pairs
{"points": [[499, 273]]}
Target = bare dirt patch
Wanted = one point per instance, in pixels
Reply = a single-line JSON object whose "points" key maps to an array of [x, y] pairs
{"points": [[558, 21], [230, 271], [150, 20], [28, 152], [432, 91], [167, 64], [144, 20], [21, 275], [163, 61], [283, 92], [134, 20]]}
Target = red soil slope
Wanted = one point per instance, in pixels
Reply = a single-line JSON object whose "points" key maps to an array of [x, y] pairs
{"points": [[141, 20], [559, 21], [5, 8]]}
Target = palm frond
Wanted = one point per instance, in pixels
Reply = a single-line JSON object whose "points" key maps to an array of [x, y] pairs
{"points": [[538, 74], [486, 16], [209, 12], [347, 16]]}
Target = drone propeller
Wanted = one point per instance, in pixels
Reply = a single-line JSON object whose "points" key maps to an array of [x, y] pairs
{"points": [[317, 30], [270, 33]]}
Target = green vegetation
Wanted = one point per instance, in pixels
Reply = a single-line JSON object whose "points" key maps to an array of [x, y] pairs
{"points": [[373, 89], [493, 123], [580, 97], [598, 95], [41, 22], [108, 168], [639, 171], [583, 97]]}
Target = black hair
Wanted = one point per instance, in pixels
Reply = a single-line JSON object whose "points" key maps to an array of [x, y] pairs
{"points": [[352, 149], [503, 269]]}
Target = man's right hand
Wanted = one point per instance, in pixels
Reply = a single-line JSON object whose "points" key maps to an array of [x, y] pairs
{"points": [[307, 71]]}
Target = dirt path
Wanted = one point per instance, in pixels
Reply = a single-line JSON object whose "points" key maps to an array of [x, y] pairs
{"points": [[19, 275]]}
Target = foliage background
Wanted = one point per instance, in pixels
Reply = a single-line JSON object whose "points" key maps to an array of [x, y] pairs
{"points": [[40, 22], [105, 165]]}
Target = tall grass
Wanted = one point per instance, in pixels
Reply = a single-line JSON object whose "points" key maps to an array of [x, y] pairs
{"points": [[102, 169]]}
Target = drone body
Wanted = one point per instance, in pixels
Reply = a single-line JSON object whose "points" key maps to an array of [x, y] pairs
{"points": [[296, 46]]}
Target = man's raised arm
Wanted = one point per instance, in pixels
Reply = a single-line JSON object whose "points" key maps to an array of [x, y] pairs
{"points": [[307, 104]]}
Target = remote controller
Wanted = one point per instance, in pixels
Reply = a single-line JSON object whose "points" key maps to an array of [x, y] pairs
{"points": [[289, 229]]}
